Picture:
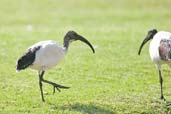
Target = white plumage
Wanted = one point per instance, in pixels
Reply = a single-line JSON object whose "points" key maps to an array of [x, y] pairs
{"points": [[47, 54], [160, 50], [154, 45]]}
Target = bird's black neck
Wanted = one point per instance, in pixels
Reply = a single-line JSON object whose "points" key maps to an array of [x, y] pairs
{"points": [[66, 42]]}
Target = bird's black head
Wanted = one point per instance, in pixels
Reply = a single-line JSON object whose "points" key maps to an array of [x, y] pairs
{"points": [[151, 33], [73, 36], [148, 37]]}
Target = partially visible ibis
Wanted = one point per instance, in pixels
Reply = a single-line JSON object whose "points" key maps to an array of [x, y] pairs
{"points": [[160, 51]]}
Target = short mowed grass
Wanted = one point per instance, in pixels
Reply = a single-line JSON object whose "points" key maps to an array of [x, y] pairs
{"points": [[114, 80]]}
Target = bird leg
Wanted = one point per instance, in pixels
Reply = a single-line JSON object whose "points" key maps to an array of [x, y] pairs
{"points": [[40, 84], [57, 86], [161, 85]]}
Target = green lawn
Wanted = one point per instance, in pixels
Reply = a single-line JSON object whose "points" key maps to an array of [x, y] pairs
{"points": [[113, 80]]}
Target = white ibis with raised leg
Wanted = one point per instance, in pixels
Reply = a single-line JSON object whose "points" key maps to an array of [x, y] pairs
{"points": [[47, 54]]}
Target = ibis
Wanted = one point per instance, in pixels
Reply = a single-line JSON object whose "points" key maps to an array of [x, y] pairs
{"points": [[160, 51], [45, 55]]}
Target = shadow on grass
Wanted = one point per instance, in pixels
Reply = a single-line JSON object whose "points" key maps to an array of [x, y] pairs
{"points": [[88, 109]]}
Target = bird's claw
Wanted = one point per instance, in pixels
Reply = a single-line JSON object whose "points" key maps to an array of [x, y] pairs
{"points": [[56, 88]]}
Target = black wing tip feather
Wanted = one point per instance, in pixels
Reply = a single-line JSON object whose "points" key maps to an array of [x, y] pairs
{"points": [[23, 62], [27, 59]]}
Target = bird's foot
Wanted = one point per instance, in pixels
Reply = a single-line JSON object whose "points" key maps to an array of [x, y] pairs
{"points": [[162, 98], [58, 87]]}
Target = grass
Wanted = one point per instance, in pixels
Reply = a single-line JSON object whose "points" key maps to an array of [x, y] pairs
{"points": [[115, 80]]}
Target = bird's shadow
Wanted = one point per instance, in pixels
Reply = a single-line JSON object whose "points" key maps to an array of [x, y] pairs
{"points": [[87, 108]]}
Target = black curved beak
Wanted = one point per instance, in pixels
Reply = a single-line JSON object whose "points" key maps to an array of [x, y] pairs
{"points": [[146, 39], [79, 37]]}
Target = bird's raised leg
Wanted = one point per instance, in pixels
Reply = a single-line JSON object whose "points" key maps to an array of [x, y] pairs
{"points": [[57, 86], [161, 84], [40, 84]]}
